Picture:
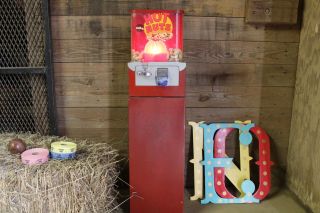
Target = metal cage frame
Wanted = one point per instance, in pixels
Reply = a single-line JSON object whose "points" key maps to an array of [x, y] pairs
{"points": [[46, 71]]}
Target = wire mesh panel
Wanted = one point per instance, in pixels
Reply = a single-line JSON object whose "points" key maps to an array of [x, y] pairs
{"points": [[25, 67]]}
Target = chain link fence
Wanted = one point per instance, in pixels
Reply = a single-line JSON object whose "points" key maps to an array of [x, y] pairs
{"points": [[24, 100]]}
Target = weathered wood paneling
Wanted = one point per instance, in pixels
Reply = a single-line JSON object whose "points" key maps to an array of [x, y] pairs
{"points": [[222, 28], [198, 74], [118, 50], [226, 8], [197, 28], [75, 92], [240, 52], [303, 158], [100, 118], [235, 70], [111, 123], [272, 11], [206, 96], [85, 85]]}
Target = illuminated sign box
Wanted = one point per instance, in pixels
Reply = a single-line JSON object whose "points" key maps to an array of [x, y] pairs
{"points": [[156, 35]]}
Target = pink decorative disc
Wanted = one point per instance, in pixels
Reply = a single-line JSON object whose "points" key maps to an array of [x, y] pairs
{"points": [[35, 156]]}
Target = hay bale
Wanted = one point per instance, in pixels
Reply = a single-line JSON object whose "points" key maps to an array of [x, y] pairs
{"points": [[85, 184]]}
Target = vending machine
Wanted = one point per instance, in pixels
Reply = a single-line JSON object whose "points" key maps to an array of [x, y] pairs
{"points": [[156, 111]]}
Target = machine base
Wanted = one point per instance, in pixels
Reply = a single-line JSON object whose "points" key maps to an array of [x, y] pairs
{"points": [[156, 154]]}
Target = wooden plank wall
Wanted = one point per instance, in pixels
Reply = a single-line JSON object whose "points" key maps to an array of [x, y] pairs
{"points": [[235, 70], [303, 158]]}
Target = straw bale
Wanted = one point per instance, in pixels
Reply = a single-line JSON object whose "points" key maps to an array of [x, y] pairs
{"points": [[85, 184]]}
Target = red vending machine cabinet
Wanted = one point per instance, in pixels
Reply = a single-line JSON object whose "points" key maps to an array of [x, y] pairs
{"points": [[156, 112]]}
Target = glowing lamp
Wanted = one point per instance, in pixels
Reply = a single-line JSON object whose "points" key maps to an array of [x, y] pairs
{"points": [[155, 51]]}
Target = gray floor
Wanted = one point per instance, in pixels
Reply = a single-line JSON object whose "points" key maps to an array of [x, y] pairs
{"points": [[282, 201]]}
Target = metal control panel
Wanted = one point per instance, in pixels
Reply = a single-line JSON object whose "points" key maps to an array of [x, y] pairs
{"points": [[157, 73]]}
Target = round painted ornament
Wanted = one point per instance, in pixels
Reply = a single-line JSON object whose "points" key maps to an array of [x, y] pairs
{"points": [[16, 146]]}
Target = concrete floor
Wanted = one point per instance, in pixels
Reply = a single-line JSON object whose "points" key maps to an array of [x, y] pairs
{"points": [[283, 202]]}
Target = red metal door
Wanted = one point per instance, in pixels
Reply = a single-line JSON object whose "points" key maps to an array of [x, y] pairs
{"points": [[156, 154]]}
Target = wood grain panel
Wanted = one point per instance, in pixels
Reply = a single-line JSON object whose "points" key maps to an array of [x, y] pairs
{"points": [[198, 74], [105, 85], [198, 28], [77, 92], [119, 100], [240, 52], [235, 70], [93, 118], [91, 84], [95, 78], [304, 159], [111, 123], [117, 117], [220, 28], [91, 50], [99, 124], [275, 120], [118, 50], [87, 27], [228, 8], [216, 96], [95, 70], [272, 11]]}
